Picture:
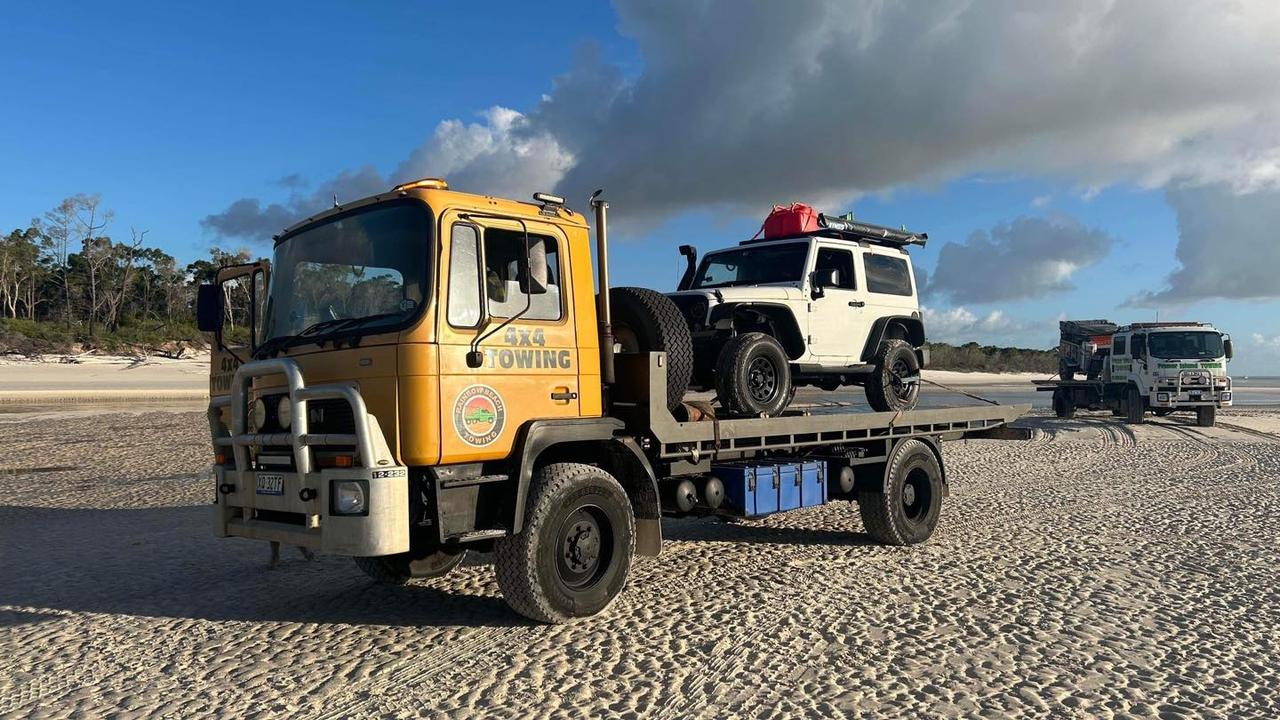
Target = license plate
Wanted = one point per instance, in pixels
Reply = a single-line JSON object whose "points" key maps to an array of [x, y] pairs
{"points": [[270, 484]]}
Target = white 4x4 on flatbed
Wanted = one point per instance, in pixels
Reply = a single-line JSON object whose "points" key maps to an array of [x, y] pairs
{"points": [[828, 308]]}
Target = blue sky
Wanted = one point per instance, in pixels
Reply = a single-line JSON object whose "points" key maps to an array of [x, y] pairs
{"points": [[173, 113]]}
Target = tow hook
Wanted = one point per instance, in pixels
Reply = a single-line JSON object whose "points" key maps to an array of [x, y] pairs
{"points": [[307, 494], [226, 488]]}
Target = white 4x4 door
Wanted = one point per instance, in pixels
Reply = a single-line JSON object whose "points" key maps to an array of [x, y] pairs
{"points": [[838, 321], [891, 285]]}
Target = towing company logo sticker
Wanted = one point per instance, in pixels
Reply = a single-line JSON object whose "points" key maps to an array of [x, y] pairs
{"points": [[478, 415]]}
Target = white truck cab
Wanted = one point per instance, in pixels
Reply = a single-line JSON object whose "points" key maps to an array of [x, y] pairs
{"points": [[1173, 366]]}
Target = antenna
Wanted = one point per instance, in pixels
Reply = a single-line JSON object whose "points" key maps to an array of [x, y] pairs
{"points": [[335, 199]]}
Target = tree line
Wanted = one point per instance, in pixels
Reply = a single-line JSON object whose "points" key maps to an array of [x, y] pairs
{"points": [[972, 357], [73, 276]]}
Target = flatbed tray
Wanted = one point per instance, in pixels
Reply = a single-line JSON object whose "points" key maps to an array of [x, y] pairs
{"points": [[643, 405]]}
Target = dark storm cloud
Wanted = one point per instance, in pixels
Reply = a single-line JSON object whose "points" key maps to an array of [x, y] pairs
{"points": [[1029, 257], [1228, 246], [743, 103]]}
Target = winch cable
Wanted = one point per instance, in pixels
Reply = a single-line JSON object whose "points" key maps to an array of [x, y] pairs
{"points": [[962, 392]]}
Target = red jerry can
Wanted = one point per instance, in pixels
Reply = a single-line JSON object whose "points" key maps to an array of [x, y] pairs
{"points": [[794, 219]]}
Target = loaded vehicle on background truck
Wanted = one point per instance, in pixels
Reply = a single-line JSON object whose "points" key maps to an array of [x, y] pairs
{"points": [[1158, 367], [818, 300], [432, 372]]}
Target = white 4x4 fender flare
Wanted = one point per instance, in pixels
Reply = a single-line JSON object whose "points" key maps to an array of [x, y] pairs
{"points": [[913, 326]]}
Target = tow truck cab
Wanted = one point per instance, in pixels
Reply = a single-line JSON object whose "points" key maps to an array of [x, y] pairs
{"points": [[418, 328], [1175, 366]]}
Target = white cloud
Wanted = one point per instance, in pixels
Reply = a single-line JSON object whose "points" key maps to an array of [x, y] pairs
{"points": [[959, 325], [1269, 344]]}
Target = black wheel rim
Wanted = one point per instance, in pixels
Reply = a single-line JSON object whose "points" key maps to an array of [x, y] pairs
{"points": [[762, 379], [585, 547], [902, 388], [917, 495]]}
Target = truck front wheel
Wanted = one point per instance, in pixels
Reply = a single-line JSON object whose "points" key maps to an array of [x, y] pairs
{"points": [[573, 555], [1206, 416], [1133, 407], [903, 508]]}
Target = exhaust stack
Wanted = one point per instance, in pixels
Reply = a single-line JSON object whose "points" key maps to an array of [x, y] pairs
{"points": [[603, 311]]}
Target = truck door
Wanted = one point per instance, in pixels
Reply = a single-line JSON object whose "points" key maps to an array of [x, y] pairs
{"points": [[244, 293], [837, 312], [526, 334]]}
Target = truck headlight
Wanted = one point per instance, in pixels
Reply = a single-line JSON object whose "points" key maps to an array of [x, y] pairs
{"points": [[1226, 396], [350, 497], [284, 412], [259, 415], [1162, 397]]}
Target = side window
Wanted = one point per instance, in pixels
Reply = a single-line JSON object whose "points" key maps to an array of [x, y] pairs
{"points": [[839, 260], [887, 275], [1120, 346], [506, 277], [464, 277]]}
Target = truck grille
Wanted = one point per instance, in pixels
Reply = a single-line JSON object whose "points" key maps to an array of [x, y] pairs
{"points": [[330, 416]]}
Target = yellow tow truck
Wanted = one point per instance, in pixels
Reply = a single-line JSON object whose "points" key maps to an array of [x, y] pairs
{"points": [[431, 372]]}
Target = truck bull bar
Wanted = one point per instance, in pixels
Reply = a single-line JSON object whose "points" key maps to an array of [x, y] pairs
{"points": [[296, 506], [297, 438]]}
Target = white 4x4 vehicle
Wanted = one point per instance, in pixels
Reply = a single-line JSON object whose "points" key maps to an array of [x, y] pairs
{"points": [[832, 307]]}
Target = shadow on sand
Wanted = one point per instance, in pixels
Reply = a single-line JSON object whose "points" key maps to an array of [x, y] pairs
{"points": [[165, 562]]}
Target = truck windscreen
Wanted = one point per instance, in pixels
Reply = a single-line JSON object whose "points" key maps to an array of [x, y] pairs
{"points": [[1185, 345], [366, 271], [753, 266]]}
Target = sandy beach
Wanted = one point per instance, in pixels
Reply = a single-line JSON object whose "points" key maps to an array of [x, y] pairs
{"points": [[1097, 570]]}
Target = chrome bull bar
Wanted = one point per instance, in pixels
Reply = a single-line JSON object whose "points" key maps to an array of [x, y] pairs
{"points": [[297, 438]]}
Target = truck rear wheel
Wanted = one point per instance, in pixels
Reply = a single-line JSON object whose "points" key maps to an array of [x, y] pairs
{"points": [[753, 376], [895, 384], [648, 321], [400, 569], [1206, 416], [573, 555], [1133, 408], [903, 508], [1063, 406]]}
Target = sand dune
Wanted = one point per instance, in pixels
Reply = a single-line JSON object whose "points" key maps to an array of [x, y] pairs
{"points": [[1098, 570]]}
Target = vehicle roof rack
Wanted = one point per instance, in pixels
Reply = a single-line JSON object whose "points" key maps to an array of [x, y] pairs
{"points": [[1132, 326], [843, 229]]}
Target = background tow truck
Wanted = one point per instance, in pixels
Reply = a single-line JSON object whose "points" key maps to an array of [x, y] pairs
{"points": [[432, 372], [1163, 368]]}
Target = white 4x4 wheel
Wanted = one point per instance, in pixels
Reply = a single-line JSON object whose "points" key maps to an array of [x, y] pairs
{"points": [[895, 384], [753, 376]]}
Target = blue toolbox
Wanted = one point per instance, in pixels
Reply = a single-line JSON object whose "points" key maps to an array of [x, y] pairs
{"points": [[755, 489], [750, 489]]}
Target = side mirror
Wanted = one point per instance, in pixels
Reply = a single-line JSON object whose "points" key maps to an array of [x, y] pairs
{"points": [[823, 279], [1228, 349], [209, 299], [475, 359], [535, 283]]}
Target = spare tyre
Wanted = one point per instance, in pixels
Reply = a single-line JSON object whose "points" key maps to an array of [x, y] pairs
{"points": [[645, 321]]}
